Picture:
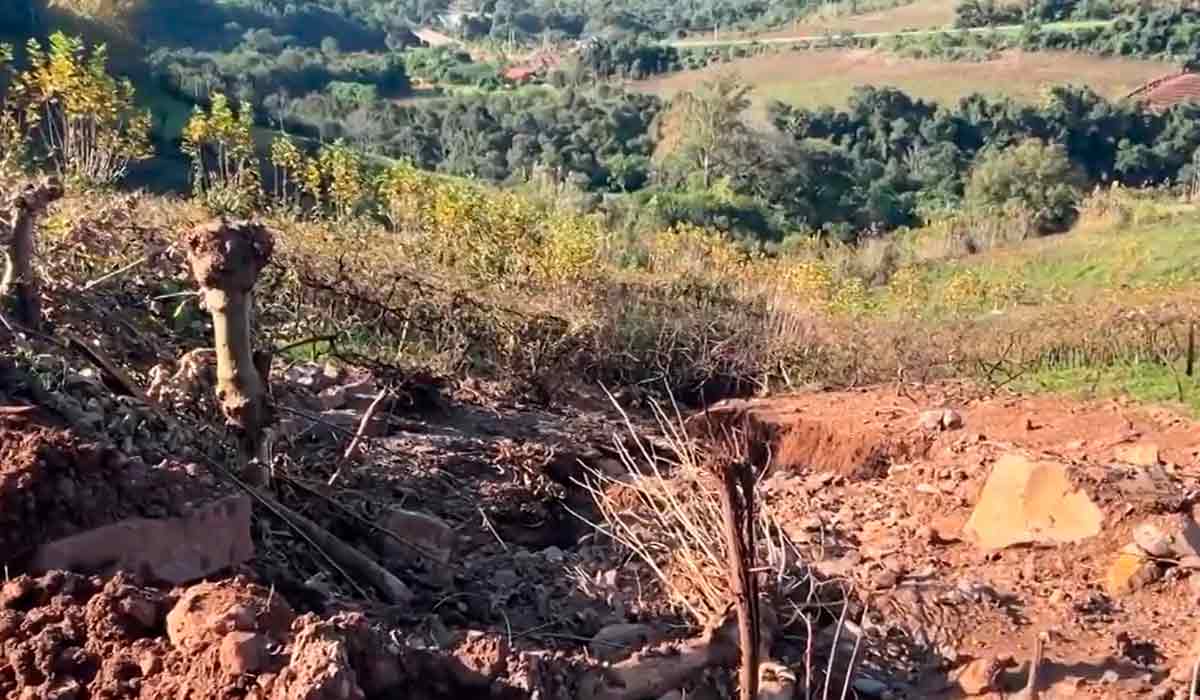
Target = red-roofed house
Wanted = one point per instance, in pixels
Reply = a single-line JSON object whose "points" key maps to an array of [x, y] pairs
{"points": [[519, 74], [1162, 93]]}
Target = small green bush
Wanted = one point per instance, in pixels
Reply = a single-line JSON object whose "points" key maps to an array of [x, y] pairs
{"points": [[1033, 176]]}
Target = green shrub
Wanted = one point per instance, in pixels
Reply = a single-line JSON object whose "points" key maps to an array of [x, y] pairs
{"points": [[1033, 176]]}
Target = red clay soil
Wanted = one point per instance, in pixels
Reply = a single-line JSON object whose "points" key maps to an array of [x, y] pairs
{"points": [[886, 510], [859, 434], [65, 636], [53, 485], [801, 434]]}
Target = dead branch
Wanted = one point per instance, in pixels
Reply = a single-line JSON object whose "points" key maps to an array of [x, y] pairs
{"points": [[1191, 349], [330, 338], [737, 505], [652, 673], [353, 561], [367, 417], [116, 273], [351, 515], [1032, 691]]}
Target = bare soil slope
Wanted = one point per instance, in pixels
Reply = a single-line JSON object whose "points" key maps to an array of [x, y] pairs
{"points": [[891, 512]]}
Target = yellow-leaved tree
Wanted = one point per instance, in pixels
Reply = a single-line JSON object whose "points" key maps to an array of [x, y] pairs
{"points": [[344, 179], [84, 121], [224, 167], [12, 137], [288, 162], [497, 237], [406, 195]]}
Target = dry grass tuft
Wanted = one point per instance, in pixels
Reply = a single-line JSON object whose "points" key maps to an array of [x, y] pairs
{"points": [[666, 510]]}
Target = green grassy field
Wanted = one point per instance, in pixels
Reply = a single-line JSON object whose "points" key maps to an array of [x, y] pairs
{"points": [[1157, 263], [1093, 259], [1147, 382], [817, 78]]}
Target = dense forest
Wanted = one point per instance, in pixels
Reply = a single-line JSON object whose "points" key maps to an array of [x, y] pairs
{"points": [[599, 140], [900, 156]]}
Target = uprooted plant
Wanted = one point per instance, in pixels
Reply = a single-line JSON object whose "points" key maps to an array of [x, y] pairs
{"points": [[20, 279], [694, 514]]}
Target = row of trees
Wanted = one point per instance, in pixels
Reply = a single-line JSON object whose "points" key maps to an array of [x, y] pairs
{"points": [[921, 155], [991, 13], [572, 19], [597, 139], [1162, 32], [261, 67]]}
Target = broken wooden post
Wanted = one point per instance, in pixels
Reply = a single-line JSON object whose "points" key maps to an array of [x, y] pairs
{"points": [[19, 277], [226, 258], [737, 505], [1191, 349]]}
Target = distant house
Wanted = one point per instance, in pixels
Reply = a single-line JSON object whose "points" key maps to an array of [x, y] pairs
{"points": [[519, 74], [1163, 93], [534, 66]]}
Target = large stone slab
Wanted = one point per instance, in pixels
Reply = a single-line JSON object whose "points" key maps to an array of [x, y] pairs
{"points": [[1026, 502], [177, 550]]}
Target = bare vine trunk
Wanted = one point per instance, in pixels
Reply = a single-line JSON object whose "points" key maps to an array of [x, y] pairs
{"points": [[20, 279], [226, 258]]}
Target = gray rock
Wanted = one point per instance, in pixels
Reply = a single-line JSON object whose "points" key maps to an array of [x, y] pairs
{"points": [[1174, 536], [940, 419], [431, 535], [618, 641], [870, 687]]}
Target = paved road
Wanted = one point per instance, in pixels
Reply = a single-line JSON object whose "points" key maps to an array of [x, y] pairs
{"points": [[1008, 29]]}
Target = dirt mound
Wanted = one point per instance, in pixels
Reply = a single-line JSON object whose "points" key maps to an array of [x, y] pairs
{"points": [[67, 636], [53, 485]]}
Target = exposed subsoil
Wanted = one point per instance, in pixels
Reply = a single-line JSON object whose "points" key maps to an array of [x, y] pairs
{"points": [[888, 510], [874, 492]]}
